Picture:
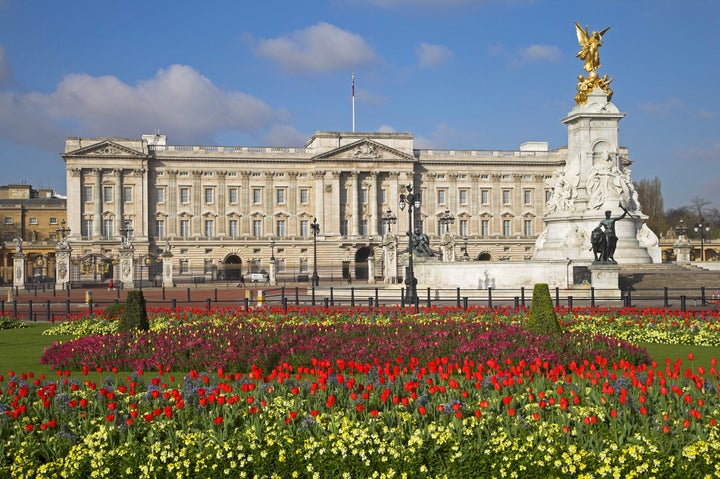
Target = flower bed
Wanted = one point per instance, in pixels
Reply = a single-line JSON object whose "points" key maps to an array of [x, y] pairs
{"points": [[398, 418], [264, 338], [365, 393]]}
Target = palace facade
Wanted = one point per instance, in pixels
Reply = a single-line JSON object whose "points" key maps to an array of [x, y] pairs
{"points": [[222, 210]]}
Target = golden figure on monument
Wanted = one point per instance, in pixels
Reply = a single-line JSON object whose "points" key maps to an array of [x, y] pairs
{"points": [[590, 54]]}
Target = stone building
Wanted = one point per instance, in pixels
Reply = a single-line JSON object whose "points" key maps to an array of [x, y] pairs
{"points": [[34, 216], [224, 210]]}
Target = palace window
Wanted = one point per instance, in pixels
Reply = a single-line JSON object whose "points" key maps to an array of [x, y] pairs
{"points": [[463, 194], [233, 228], [184, 195], [160, 228], [485, 227], [527, 228], [506, 227], [506, 197], [209, 228], [184, 228]]}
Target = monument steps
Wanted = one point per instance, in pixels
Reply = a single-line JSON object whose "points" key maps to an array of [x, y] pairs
{"points": [[674, 276]]}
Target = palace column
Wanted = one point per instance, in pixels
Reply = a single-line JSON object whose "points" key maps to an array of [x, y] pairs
{"points": [[97, 193], [355, 207], [319, 206], [171, 199], [374, 222], [197, 204], [334, 227], [292, 227], [75, 209], [118, 197], [269, 206], [222, 221], [245, 208], [474, 226]]}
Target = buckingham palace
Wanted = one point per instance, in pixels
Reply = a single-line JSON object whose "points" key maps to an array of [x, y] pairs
{"points": [[228, 210]]}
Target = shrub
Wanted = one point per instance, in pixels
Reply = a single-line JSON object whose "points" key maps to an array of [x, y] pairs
{"points": [[114, 310], [542, 318], [134, 316]]}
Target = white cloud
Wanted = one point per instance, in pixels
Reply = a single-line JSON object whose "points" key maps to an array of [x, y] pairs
{"points": [[386, 129], [433, 56], [541, 53], [320, 48], [285, 135], [178, 100]]}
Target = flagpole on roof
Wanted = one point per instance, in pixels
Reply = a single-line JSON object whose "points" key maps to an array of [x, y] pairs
{"points": [[353, 102]]}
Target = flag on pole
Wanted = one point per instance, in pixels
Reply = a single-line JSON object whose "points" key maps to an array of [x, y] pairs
{"points": [[353, 85]]}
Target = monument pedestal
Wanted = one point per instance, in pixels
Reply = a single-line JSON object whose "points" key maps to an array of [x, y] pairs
{"points": [[604, 279]]}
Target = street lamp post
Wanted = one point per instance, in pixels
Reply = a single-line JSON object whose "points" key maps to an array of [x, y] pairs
{"points": [[446, 219], [315, 227], [466, 256], [63, 231], [272, 250], [412, 201], [389, 219], [702, 227]]}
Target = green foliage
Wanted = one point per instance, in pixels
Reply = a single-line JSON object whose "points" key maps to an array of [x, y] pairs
{"points": [[542, 318], [8, 322], [134, 316], [114, 310]]}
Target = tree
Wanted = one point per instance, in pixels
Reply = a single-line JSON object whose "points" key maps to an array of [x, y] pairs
{"points": [[651, 200]]}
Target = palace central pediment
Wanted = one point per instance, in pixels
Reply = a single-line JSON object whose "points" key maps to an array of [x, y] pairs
{"points": [[364, 150]]}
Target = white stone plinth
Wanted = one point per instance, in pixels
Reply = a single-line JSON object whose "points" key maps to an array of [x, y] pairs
{"points": [[605, 280], [19, 269]]}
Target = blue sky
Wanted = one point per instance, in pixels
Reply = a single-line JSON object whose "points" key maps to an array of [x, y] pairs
{"points": [[464, 74]]}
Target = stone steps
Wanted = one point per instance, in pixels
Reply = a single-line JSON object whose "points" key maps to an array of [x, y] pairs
{"points": [[673, 276]]}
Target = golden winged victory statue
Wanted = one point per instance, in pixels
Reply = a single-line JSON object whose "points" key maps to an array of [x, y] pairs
{"points": [[589, 53]]}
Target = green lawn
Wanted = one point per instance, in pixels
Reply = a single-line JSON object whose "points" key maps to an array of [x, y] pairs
{"points": [[20, 350]]}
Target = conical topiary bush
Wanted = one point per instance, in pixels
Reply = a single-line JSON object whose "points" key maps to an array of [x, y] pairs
{"points": [[542, 318], [134, 316]]}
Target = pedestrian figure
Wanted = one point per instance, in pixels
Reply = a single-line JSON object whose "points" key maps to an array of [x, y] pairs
{"points": [[242, 281], [110, 285]]}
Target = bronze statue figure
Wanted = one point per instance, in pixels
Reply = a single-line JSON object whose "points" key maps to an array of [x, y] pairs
{"points": [[606, 249]]}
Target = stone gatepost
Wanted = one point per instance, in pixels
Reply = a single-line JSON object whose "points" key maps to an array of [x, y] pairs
{"points": [[371, 270], [167, 269], [127, 267], [682, 249], [62, 265], [19, 268], [389, 259], [448, 248], [273, 272]]}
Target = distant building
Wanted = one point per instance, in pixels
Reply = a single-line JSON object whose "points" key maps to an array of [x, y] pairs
{"points": [[32, 215]]}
